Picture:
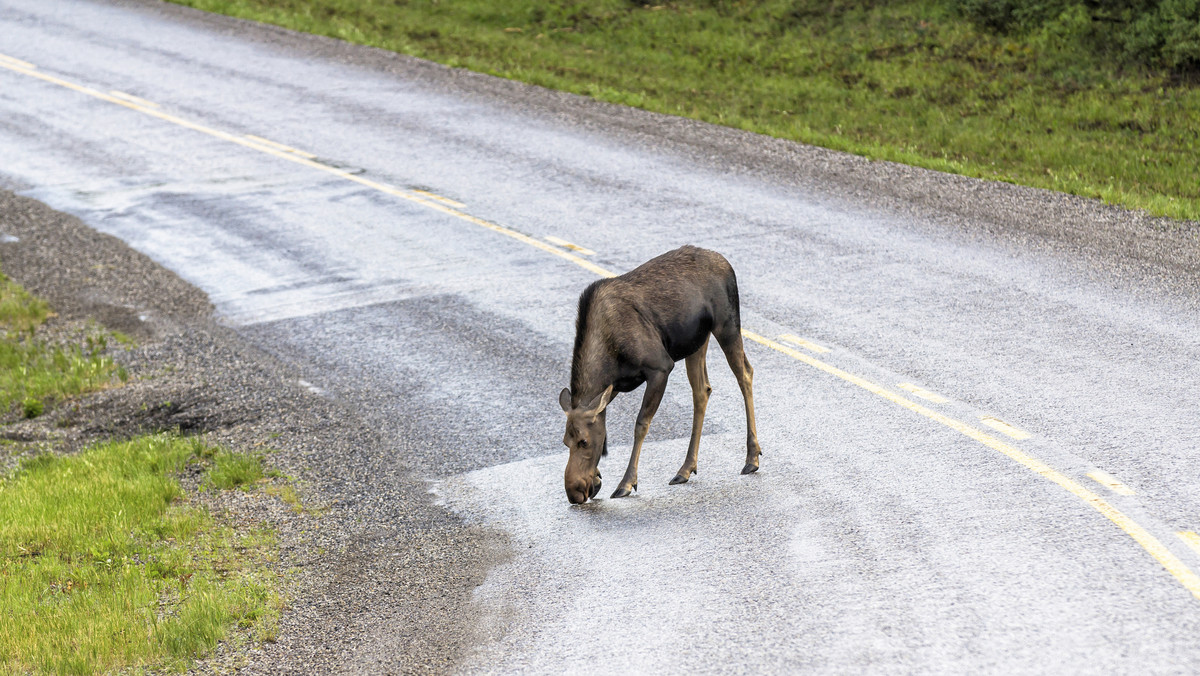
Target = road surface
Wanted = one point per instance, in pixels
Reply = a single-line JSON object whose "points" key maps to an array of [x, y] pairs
{"points": [[976, 402]]}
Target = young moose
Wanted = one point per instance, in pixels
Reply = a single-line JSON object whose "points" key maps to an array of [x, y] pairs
{"points": [[631, 330]]}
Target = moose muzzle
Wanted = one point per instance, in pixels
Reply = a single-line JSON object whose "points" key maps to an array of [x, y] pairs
{"points": [[580, 490]]}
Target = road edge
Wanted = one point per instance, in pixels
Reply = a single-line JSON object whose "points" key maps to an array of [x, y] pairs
{"points": [[379, 576]]}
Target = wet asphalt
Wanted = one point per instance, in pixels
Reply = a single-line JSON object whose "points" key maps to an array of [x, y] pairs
{"points": [[337, 205]]}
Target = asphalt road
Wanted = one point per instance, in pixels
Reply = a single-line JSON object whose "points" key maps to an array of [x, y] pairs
{"points": [[976, 402]]}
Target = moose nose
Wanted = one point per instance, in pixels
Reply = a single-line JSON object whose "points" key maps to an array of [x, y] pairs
{"points": [[579, 489]]}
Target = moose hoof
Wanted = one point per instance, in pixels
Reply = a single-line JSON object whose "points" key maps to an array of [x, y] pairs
{"points": [[750, 468], [621, 493], [679, 479]]}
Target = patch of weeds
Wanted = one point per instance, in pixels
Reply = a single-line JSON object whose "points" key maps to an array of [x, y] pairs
{"points": [[34, 373], [107, 568], [288, 495], [20, 312], [234, 470], [31, 408]]}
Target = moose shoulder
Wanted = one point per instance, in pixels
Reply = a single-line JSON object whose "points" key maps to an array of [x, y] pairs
{"points": [[631, 330]]}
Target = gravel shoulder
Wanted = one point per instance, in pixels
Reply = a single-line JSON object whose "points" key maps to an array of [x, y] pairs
{"points": [[377, 577]]}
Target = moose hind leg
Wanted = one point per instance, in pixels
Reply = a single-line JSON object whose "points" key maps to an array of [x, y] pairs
{"points": [[656, 384], [731, 343], [697, 372]]}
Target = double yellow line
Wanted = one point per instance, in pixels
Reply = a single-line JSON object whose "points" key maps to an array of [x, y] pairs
{"points": [[1143, 537], [1140, 534]]}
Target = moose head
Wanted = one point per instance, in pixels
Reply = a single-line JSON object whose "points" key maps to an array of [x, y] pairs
{"points": [[587, 439]]}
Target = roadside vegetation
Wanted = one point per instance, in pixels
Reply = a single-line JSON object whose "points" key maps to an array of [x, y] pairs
{"points": [[109, 558], [1098, 99], [33, 372], [106, 566]]}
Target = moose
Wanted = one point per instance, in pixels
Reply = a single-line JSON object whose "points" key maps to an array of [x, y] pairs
{"points": [[631, 330]]}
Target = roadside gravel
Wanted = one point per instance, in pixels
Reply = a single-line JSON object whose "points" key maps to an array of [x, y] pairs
{"points": [[377, 576]]}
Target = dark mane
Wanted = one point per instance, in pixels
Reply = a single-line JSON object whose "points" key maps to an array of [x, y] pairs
{"points": [[581, 327]]}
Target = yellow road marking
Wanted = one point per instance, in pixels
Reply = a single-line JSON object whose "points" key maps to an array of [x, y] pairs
{"points": [[8, 60], [443, 200], [573, 247], [1142, 536], [1133, 529], [280, 146], [133, 99], [923, 393], [806, 344], [1003, 427], [307, 162], [1190, 539], [1110, 482]]}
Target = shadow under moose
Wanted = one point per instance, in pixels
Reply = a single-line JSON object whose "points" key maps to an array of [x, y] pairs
{"points": [[632, 329]]}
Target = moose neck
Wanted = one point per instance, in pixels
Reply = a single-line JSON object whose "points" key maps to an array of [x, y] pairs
{"points": [[592, 369]]}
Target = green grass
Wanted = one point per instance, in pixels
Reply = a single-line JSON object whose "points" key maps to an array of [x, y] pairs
{"points": [[105, 567], [245, 471], [33, 372], [20, 312], [907, 81], [234, 470], [290, 497]]}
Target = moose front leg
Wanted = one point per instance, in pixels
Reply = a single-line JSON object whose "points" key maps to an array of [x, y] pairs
{"points": [[656, 384]]}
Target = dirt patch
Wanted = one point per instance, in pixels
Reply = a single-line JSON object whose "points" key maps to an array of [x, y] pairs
{"points": [[379, 579]]}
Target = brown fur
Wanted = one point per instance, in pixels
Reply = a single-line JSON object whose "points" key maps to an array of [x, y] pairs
{"points": [[631, 330]]}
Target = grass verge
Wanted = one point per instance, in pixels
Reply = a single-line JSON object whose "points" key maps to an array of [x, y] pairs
{"points": [[104, 566], [106, 562], [907, 81], [34, 372]]}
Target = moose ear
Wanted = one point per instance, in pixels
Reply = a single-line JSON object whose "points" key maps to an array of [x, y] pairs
{"points": [[597, 406], [564, 400]]}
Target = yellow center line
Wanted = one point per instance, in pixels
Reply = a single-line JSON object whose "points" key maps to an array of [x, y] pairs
{"points": [[573, 247], [1110, 482], [1004, 428], [10, 61], [806, 344], [1191, 539], [923, 393], [273, 144], [304, 161], [444, 200], [133, 99], [1142, 536]]}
